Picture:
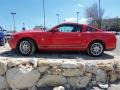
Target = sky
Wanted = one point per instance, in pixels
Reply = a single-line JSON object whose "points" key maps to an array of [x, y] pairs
{"points": [[30, 12]]}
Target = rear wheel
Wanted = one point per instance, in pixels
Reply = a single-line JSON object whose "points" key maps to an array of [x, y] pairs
{"points": [[96, 49], [26, 47]]}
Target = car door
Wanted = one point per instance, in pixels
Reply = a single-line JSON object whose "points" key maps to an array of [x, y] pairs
{"points": [[68, 37]]}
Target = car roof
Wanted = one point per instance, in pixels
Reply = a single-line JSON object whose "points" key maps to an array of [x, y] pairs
{"points": [[70, 23]]}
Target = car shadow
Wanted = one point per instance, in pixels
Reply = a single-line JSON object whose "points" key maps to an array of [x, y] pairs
{"points": [[56, 55]]}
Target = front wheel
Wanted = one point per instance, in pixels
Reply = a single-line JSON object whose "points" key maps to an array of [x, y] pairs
{"points": [[95, 49], [26, 47]]}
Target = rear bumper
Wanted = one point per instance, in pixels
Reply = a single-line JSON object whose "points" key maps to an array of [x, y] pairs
{"points": [[111, 43]]}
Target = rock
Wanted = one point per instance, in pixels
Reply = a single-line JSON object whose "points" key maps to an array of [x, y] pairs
{"points": [[114, 77], [88, 74], [20, 63], [78, 82], [33, 88], [54, 62], [42, 63], [3, 83], [34, 62], [69, 65], [55, 70], [91, 67], [25, 66], [3, 67], [93, 83], [118, 67], [50, 62], [72, 72], [82, 66], [67, 86], [43, 69], [13, 63], [73, 65], [105, 66], [102, 85], [101, 76], [59, 88], [21, 78], [51, 80]]}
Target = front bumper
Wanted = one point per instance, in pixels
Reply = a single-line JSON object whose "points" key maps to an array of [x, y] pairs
{"points": [[12, 44]]}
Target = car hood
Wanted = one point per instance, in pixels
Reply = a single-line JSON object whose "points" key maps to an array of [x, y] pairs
{"points": [[28, 31]]}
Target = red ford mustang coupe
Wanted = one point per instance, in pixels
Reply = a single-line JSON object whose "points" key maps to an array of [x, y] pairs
{"points": [[64, 37]]}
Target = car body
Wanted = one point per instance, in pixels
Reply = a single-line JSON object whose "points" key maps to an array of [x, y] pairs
{"points": [[1, 38], [64, 37]]}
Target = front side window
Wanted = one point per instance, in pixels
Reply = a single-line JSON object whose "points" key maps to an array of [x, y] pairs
{"points": [[69, 28], [66, 28]]}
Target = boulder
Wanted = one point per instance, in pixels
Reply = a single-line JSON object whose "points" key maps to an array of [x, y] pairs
{"points": [[3, 67], [55, 70], [54, 62], [43, 69], [78, 82], [42, 63], [51, 80], [101, 75], [82, 66], [13, 63], [19, 63], [3, 83], [88, 74], [91, 67], [21, 78], [70, 65], [105, 66], [118, 67], [72, 72], [114, 77]]}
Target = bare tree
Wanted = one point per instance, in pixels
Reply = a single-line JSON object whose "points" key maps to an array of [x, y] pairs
{"points": [[93, 14]]}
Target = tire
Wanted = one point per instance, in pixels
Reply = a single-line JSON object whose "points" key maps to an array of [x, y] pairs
{"points": [[26, 47], [95, 49]]}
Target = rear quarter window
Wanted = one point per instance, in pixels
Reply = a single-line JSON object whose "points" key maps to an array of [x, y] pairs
{"points": [[90, 29]]}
